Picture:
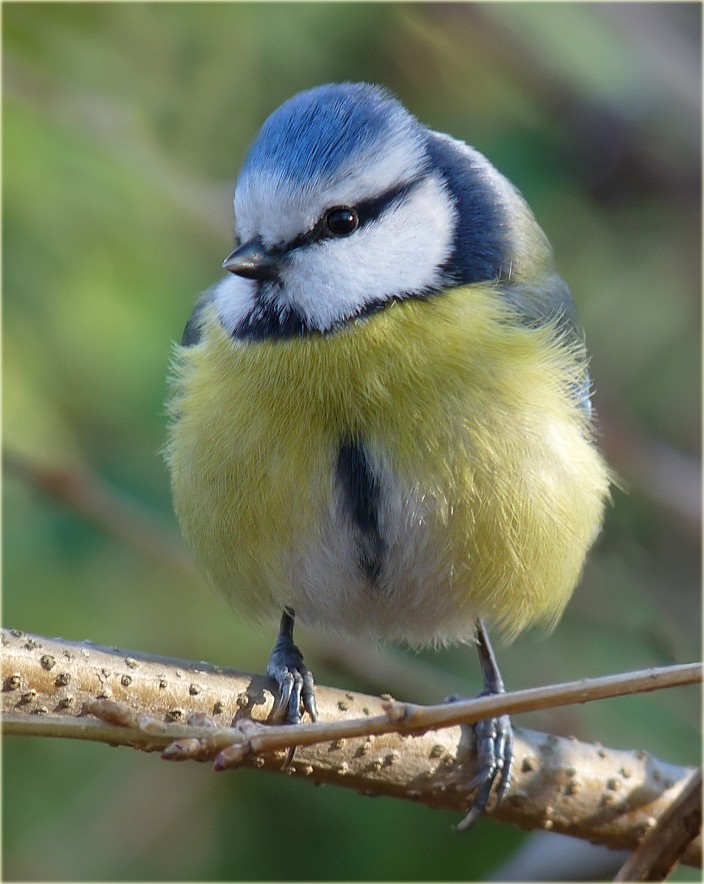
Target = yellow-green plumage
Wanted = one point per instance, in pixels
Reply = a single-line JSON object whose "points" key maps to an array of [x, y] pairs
{"points": [[493, 488]]}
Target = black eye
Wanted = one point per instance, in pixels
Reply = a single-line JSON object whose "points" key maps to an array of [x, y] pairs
{"points": [[341, 221]]}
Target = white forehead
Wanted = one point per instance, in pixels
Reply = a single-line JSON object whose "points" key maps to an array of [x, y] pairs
{"points": [[336, 145]]}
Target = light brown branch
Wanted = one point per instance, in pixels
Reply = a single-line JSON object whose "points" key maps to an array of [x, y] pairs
{"points": [[663, 847], [605, 795]]}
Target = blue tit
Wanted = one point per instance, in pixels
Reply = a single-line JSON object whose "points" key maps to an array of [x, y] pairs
{"points": [[381, 415]]}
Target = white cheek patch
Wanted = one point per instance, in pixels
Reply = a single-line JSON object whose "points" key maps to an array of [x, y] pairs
{"points": [[233, 300], [400, 253]]}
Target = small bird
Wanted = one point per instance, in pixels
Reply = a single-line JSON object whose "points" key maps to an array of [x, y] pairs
{"points": [[381, 417]]}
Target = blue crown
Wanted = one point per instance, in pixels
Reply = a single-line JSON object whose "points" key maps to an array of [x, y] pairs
{"points": [[314, 132]]}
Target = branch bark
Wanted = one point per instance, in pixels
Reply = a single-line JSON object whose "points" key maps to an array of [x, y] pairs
{"points": [[605, 795], [663, 847]]}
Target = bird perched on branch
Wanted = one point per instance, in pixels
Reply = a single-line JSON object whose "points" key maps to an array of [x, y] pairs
{"points": [[381, 415]]}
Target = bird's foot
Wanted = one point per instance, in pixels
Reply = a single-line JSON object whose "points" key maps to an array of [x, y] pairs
{"points": [[493, 738], [295, 680]]}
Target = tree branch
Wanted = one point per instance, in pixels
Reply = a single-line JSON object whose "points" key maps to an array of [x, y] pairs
{"points": [[370, 744], [663, 847]]}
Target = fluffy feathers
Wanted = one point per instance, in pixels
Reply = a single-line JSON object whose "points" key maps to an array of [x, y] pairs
{"points": [[388, 430]]}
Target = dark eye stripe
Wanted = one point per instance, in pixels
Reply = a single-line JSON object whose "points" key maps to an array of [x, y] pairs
{"points": [[367, 211], [370, 210]]}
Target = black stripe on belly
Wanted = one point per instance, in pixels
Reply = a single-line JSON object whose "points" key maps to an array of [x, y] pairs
{"points": [[361, 494]]}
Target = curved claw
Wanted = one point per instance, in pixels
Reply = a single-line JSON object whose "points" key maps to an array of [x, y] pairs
{"points": [[478, 805], [308, 695], [284, 679]]}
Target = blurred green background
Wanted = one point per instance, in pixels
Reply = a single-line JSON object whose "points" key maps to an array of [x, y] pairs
{"points": [[124, 129]]}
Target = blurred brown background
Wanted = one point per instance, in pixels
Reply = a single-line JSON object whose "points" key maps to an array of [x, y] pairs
{"points": [[124, 128]]}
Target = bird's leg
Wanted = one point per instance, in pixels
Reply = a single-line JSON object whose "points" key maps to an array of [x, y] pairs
{"points": [[494, 738], [293, 677]]}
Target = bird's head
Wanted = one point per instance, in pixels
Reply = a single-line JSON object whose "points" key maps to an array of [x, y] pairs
{"points": [[346, 202]]}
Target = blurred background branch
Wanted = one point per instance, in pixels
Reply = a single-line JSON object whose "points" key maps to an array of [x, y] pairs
{"points": [[76, 486]]}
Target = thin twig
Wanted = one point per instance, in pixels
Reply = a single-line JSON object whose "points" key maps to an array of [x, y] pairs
{"points": [[405, 718]]}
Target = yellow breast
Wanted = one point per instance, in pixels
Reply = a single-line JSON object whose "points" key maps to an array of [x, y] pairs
{"points": [[492, 489]]}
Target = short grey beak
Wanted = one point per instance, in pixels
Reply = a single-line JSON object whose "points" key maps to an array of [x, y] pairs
{"points": [[252, 261]]}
